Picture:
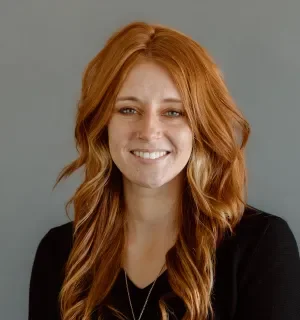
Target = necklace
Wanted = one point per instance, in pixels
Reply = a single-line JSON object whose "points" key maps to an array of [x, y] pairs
{"points": [[147, 296]]}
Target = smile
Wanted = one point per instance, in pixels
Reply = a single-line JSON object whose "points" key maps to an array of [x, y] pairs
{"points": [[150, 155]]}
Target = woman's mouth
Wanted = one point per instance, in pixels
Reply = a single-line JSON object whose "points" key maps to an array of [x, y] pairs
{"points": [[155, 155]]}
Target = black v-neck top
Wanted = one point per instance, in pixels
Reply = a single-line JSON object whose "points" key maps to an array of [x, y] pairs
{"points": [[257, 276]]}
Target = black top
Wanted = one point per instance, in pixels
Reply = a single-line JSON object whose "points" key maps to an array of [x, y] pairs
{"points": [[257, 275]]}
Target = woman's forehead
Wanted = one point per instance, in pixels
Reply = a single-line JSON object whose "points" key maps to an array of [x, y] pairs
{"points": [[149, 80]]}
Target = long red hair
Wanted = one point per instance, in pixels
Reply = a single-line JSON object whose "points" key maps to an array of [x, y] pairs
{"points": [[216, 176]]}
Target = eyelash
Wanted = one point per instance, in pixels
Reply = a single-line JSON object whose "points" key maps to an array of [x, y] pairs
{"points": [[180, 113]]}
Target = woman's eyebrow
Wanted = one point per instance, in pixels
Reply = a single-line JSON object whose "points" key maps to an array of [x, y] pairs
{"points": [[135, 99], [128, 98]]}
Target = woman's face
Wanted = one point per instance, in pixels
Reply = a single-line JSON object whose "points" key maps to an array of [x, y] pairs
{"points": [[150, 140]]}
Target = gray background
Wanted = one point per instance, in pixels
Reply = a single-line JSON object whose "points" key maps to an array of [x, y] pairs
{"points": [[44, 47]]}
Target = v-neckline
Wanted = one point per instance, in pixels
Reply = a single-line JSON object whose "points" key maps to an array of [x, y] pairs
{"points": [[132, 284]]}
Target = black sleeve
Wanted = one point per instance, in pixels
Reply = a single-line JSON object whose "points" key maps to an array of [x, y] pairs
{"points": [[43, 291], [272, 287]]}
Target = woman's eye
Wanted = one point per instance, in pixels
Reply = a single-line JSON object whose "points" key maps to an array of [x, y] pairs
{"points": [[174, 113], [171, 113], [127, 110]]}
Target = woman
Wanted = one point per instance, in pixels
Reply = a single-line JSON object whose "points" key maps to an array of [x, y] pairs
{"points": [[161, 228]]}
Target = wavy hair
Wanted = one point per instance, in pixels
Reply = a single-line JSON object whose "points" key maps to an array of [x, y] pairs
{"points": [[216, 177]]}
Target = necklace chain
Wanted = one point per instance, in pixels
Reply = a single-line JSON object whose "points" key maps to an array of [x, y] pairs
{"points": [[147, 295]]}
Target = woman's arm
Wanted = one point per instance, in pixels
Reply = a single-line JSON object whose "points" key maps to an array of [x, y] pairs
{"points": [[271, 290]]}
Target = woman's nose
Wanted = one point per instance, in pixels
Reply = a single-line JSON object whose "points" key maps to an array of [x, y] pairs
{"points": [[150, 127]]}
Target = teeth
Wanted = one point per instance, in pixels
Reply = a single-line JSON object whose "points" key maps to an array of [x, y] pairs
{"points": [[150, 155]]}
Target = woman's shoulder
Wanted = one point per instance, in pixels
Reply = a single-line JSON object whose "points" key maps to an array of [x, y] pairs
{"points": [[62, 232], [261, 261], [56, 243], [262, 238], [47, 272], [258, 224]]}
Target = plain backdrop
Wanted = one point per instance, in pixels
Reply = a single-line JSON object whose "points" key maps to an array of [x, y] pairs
{"points": [[44, 48]]}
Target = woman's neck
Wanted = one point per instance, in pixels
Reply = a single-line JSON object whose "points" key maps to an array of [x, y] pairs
{"points": [[152, 213]]}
